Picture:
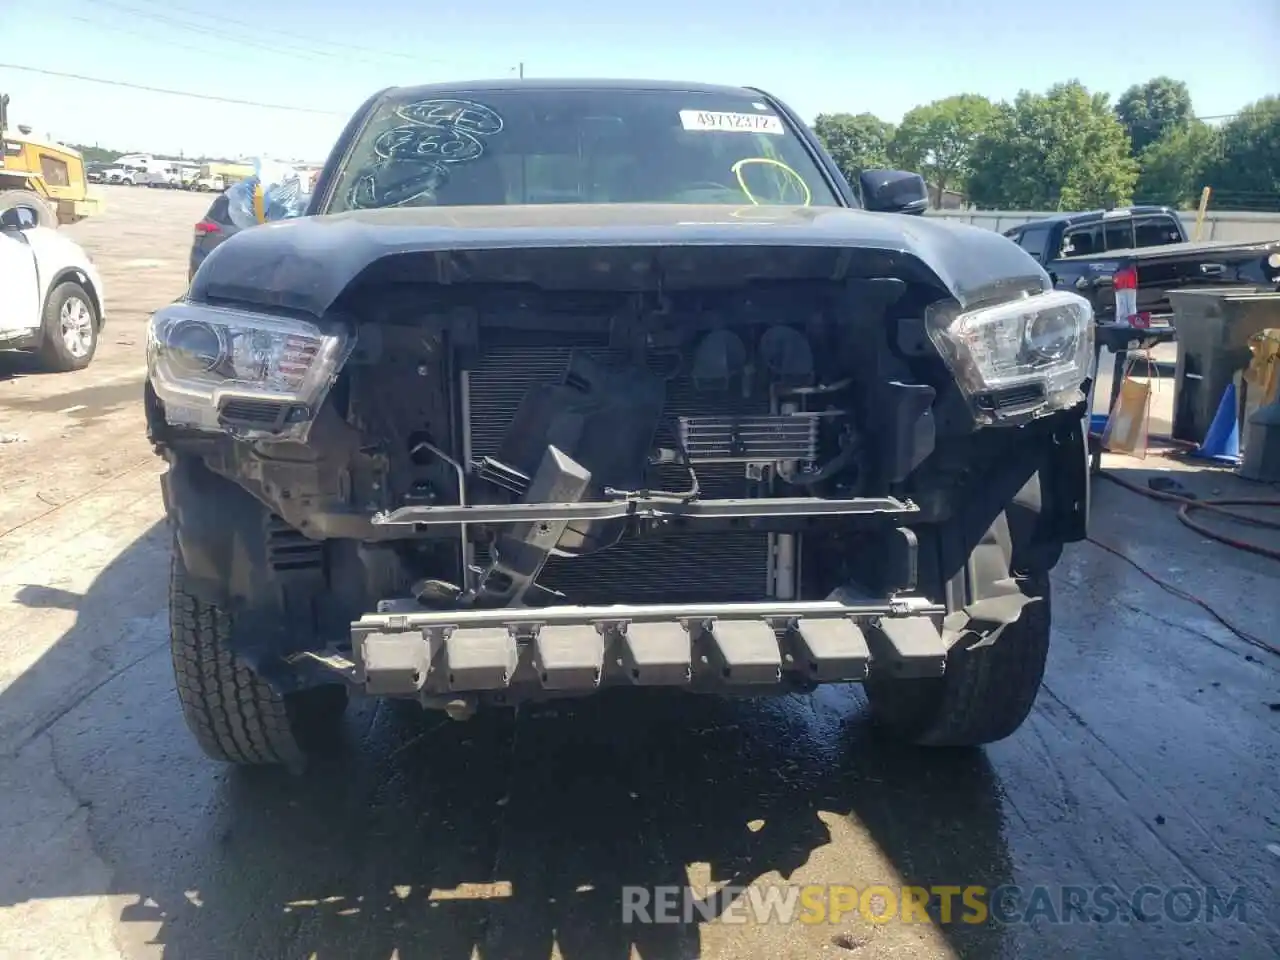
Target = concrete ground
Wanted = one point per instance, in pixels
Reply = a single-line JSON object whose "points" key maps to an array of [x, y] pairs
{"points": [[1150, 762]]}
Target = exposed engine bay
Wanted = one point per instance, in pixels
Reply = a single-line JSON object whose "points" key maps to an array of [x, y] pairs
{"points": [[505, 446], [457, 479], [757, 397], [706, 418]]}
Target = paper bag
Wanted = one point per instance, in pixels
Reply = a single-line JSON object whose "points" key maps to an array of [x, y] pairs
{"points": [[1263, 372], [1126, 430], [1262, 376]]}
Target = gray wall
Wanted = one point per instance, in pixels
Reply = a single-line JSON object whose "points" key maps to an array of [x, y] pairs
{"points": [[1218, 225]]}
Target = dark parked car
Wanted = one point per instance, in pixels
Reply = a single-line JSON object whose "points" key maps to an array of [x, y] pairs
{"points": [[212, 229], [567, 385]]}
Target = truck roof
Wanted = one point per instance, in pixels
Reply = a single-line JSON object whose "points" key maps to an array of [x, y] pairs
{"points": [[18, 137], [1089, 216], [1174, 250], [514, 84]]}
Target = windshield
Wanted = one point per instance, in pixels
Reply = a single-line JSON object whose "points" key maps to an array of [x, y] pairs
{"points": [[537, 146]]}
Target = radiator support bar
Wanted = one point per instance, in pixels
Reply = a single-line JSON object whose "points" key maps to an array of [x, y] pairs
{"points": [[650, 508]]}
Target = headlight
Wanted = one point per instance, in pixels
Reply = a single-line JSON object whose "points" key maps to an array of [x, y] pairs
{"points": [[254, 374], [1034, 352]]}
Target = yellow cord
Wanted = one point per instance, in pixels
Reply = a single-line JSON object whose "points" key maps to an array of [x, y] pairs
{"points": [[259, 206], [742, 184]]}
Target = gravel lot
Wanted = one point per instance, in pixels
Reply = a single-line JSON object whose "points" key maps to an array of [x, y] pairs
{"points": [[1151, 758]]}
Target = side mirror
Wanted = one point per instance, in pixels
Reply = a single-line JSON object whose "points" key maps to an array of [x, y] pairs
{"points": [[894, 191], [16, 218]]}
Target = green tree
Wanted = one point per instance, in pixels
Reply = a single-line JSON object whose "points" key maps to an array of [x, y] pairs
{"points": [[1246, 170], [856, 142], [935, 140], [1149, 110], [1060, 150], [95, 154], [1172, 168]]}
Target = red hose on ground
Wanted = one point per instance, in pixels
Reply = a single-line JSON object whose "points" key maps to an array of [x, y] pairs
{"points": [[1214, 506], [1181, 594], [1186, 505]]}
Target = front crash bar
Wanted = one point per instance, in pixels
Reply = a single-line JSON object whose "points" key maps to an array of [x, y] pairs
{"points": [[394, 619], [645, 508], [401, 651]]}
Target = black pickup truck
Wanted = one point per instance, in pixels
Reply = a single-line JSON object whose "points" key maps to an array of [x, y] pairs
{"points": [[1125, 261], [567, 385]]}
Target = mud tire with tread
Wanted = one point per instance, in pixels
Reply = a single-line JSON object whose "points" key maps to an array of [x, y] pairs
{"points": [[233, 714], [986, 693]]}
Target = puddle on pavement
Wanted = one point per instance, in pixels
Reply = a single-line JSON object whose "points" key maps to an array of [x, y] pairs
{"points": [[85, 404]]}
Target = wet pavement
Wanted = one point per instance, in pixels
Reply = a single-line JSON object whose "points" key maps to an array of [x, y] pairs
{"points": [[1149, 767]]}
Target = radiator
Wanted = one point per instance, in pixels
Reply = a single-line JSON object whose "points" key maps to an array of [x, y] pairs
{"points": [[721, 566]]}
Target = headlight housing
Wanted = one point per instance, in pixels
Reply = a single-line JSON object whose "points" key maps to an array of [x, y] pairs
{"points": [[1029, 355], [255, 375]]}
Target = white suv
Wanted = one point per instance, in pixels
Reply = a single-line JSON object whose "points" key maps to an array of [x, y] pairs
{"points": [[51, 297]]}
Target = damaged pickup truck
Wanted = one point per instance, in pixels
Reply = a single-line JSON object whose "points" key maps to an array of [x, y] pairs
{"points": [[560, 386]]}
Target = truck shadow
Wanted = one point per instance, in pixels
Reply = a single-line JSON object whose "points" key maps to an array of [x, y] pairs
{"points": [[16, 364], [514, 840], [500, 837]]}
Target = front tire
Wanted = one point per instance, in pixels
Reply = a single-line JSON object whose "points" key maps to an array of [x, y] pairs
{"points": [[987, 691], [233, 714], [70, 329]]}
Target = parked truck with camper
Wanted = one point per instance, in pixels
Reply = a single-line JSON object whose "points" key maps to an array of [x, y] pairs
{"points": [[563, 386]]}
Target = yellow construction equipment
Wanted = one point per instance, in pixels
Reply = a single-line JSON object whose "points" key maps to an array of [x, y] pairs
{"points": [[49, 178]]}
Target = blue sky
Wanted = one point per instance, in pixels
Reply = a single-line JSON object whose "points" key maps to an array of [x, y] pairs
{"points": [[884, 56]]}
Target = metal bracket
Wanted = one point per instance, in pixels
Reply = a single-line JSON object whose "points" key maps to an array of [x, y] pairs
{"points": [[643, 507]]}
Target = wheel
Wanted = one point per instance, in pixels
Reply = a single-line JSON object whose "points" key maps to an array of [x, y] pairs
{"points": [[986, 692], [44, 215], [233, 714], [70, 328]]}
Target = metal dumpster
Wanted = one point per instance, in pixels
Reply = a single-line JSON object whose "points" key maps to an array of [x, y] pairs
{"points": [[1214, 327]]}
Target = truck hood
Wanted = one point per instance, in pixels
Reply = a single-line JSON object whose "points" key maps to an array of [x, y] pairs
{"points": [[304, 264]]}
